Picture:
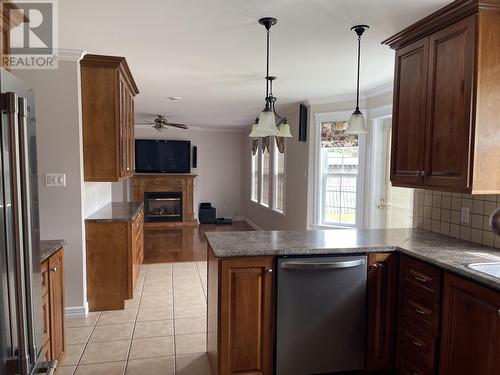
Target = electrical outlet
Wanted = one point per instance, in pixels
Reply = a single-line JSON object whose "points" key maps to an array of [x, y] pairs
{"points": [[465, 215], [55, 179]]}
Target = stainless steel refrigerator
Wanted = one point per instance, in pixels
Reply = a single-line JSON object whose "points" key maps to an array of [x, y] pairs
{"points": [[21, 321]]}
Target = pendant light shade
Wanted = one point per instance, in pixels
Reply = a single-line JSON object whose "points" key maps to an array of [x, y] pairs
{"points": [[356, 124], [267, 124], [253, 132], [284, 130]]}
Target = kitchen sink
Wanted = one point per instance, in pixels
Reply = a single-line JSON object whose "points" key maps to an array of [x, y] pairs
{"points": [[492, 268]]}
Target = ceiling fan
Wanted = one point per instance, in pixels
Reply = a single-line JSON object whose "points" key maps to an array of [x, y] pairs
{"points": [[160, 122]]}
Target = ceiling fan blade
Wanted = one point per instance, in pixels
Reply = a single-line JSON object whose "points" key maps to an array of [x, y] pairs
{"points": [[145, 123], [180, 126]]}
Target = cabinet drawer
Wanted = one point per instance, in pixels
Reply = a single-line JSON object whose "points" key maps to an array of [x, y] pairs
{"points": [[418, 345], [421, 277], [45, 277], [421, 311]]}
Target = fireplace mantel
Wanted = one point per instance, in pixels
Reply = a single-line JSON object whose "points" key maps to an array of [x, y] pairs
{"points": [[151, 183]]}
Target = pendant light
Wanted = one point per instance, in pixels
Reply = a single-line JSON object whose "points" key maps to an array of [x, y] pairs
{"points": [[265, 124], [356, 124]]}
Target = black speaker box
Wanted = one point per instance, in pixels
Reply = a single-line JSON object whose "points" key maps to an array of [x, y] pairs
{"points": [[195, 157], [303, 123]]}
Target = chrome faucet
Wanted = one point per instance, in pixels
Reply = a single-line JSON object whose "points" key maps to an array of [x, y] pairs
{"points": [[495, 221]]}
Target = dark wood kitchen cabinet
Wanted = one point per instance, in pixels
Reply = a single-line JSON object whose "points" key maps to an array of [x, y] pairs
{"points": [[445, 115], [240, 329], [53, 305], [11, 16], [471, 328], [382, 291], [108, 91]]}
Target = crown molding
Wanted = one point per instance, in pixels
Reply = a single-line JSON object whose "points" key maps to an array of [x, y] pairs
{"points": [[65, 54], [380, 90]]}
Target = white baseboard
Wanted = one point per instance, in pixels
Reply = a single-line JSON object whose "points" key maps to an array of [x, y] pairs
{"points": [[252, 224], [76, 311]]}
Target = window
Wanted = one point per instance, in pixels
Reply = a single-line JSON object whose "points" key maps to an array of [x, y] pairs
{"points": [[268, 173], [255, 171], [264, 171], [279, 175], [340, 156]]}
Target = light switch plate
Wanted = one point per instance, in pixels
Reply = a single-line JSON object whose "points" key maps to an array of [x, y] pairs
{"points": [[55, 179]]}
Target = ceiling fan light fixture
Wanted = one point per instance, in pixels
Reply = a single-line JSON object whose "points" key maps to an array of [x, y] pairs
{"points": [[175, 98]]}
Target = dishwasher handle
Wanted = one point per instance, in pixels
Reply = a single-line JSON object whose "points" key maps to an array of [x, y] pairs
{"points": [[295, 265]]}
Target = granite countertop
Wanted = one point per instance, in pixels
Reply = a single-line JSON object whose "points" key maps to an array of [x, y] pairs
{"points": [[49, 247], [445, 252], [117, 211]]}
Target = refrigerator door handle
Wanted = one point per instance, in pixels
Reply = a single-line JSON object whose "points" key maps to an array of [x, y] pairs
{"points": [[9, 107]]}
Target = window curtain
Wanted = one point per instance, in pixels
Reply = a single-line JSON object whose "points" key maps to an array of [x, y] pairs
{"points": [[280, 143], [255, 146], [265, 144], [333, 135]]}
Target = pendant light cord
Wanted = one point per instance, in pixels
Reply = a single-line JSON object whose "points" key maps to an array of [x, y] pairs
{"points": [[359, 56], [267, 68]]}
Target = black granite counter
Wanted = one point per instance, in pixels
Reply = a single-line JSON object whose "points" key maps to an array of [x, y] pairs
{"points": [[117, 211], [445, 252], [49, 247]]}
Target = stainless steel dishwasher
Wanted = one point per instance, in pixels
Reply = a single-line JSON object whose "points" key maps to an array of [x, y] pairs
{"points": [[321, 312]]}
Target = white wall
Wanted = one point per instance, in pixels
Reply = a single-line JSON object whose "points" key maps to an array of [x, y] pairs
{"points": [[59, 142], [60, 150], [219, 172]]}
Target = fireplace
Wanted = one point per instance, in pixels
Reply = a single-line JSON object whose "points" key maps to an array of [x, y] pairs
{"points": [[162, 207]]}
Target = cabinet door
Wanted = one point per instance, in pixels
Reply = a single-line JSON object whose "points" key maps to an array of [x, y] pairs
{"points": [[381, 311], [471, 329], [46, 322], [246, 316], [451, 75], [408, 128], [56, 298]]}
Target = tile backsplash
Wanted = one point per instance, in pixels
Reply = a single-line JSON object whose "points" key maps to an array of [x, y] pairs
{"points": [[441, 213]]}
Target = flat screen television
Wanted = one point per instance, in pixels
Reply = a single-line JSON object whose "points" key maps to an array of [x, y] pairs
{"points": [[162, 156]]}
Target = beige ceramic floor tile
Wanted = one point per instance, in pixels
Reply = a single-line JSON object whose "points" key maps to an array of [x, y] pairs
{"points": [[111, 332], [192, 364], [154, 313], [154, 329], [110, 368], [190, 311], [151, 366], [110, 351], [157, 301], [190, 325], [117, 317], [82, 322], [152, 347], [192, 343], [65, 370], [77, 335], [72, 354]]}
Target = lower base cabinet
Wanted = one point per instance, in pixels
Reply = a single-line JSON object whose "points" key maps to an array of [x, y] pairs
{"points": [[471, 329], [53, 305], [240, 316]]}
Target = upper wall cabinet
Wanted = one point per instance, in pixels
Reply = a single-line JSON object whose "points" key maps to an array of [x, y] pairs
{"points": [[446, 122], [108, 91]]}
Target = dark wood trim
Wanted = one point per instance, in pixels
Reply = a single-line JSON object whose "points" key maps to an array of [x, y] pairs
{"points": [[438, 20]]}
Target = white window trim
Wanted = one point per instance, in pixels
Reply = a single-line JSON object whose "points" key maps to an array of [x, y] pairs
{"points": [[319, 118]]}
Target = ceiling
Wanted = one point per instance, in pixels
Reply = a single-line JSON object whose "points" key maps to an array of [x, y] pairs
{"points": [[212, 52]]}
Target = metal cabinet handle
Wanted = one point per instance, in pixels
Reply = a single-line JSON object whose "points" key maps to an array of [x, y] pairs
{"points": [[421, 278], [498, 312], [269, 270], [422, 173], [417, 343], [53, 269], [421, 312], [417, 172], [321, 265]]}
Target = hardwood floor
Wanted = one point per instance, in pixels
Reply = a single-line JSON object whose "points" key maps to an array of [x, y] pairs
{"points": [[183, 244]]}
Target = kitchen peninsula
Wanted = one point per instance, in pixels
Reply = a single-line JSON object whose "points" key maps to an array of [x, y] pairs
{"points": [[420, 293]]}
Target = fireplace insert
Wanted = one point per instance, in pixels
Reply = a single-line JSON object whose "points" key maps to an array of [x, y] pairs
{"points": [[163, 206]]}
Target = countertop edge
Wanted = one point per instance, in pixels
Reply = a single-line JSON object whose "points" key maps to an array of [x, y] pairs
{"points": [[127, 219], [49, 248]]}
